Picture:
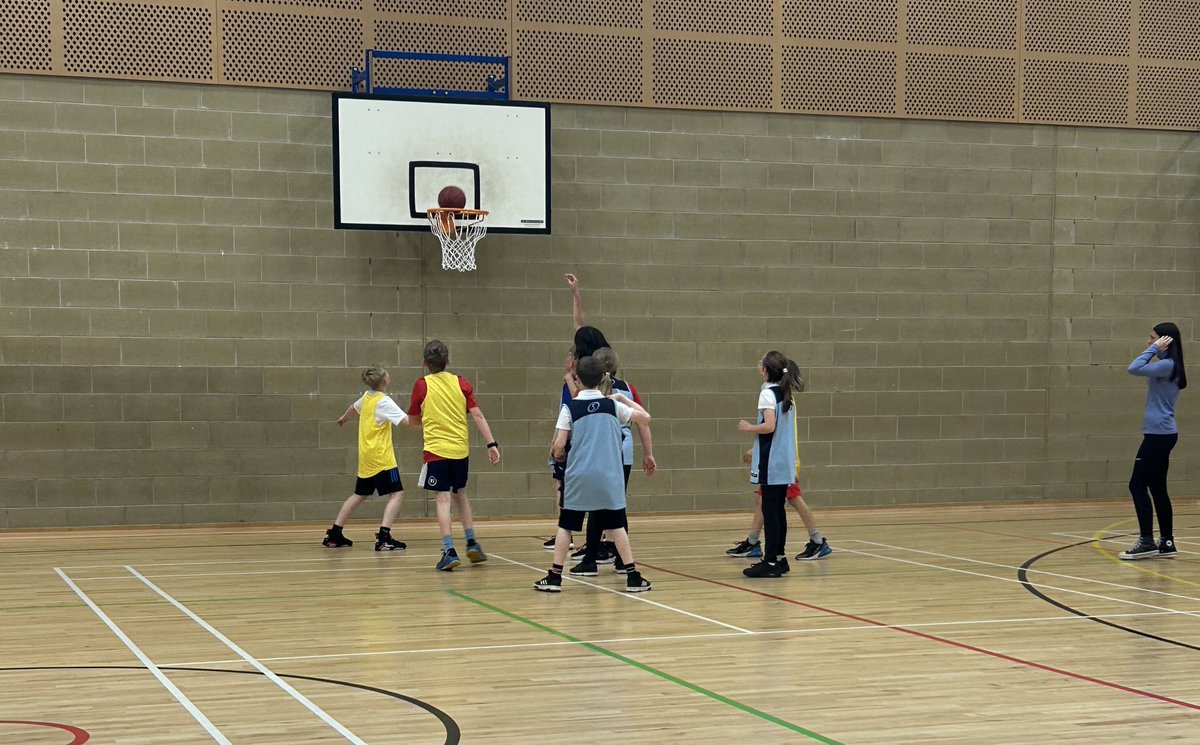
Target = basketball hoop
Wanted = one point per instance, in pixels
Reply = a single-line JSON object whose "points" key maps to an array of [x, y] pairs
{"points": [[458, 230]]}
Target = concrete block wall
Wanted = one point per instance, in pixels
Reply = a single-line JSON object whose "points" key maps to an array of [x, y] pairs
{"points": [[180, 325]]}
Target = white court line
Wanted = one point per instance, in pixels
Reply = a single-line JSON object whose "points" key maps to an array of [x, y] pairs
{"points": [[137, 652], [1016, 581], [684, 637], [336, 725], [631, 596], [1034, 571]]}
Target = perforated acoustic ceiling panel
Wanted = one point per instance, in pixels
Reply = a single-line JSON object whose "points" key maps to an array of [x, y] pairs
{"points": [[1093, 27], [742, 18], [982, 24], [25, 35], [1130, 63], [952, 86], [1076, 92], [841, 20], [495, 9], [309, 51], [590, 68], [1170, 29], [1166, 97], [612, 13], [710, 74], [145, 41], [844, 81]]}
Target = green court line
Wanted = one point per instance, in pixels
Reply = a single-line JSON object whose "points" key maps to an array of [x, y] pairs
{"points": [[653, 671]]}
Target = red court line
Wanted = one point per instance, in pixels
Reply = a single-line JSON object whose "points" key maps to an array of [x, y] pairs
{"points": [[931, 637], [80, 735]]}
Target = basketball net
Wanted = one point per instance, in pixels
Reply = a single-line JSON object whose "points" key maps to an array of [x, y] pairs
{"points": [[458, 230]]}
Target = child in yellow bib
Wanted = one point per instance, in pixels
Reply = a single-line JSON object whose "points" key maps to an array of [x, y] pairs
{"points": [[377, 469]]}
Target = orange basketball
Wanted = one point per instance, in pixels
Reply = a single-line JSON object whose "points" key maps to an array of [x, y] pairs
{"points": [[452, 197]]}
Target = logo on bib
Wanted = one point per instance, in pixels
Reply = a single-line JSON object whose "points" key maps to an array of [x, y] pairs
{"points": [[593, 407]]}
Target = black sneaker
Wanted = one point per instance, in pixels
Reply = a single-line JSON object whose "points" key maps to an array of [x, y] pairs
{"points": [[387, 543], [621, 567], [549, 545], [550, 583], [783, 565], [607, 553], [745, 549], [1166, 548], [448, 561], [813, 551], [580, 554], [584, 569], [763, 569], [1145, 548], [635, 582], [336, 540]]}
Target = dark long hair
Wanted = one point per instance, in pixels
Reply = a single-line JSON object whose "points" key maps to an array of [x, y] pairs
{"points": [[1173, 352], [786, 373], [587, 340]]}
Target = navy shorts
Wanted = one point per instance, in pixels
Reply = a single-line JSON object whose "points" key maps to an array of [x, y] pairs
{"points": [[444, 475], [572, 520], [385, 482]]}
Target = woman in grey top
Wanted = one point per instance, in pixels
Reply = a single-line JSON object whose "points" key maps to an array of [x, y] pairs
{"points": [[1166, 377]]}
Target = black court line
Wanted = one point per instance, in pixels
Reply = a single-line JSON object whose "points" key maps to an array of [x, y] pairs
{"points": [[1023, 578], [453, 733]]}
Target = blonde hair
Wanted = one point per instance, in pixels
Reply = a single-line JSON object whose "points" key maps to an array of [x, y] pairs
{"points": [[608, 360], [373, 376]]}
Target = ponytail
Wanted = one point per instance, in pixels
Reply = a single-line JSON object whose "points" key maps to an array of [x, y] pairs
{"points": [[786, 373]]}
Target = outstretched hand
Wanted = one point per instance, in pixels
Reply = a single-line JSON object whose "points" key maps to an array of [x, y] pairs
{"points": [[572, 281]]}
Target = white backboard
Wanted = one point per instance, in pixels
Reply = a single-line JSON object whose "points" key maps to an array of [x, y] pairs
{"points": [[393, 155]]}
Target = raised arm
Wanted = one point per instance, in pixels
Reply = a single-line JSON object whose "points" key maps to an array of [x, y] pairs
{"points": [[1143, 365], [576, 303], [349, 413]]}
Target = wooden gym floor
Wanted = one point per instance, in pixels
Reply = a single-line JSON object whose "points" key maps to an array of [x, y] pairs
{"points": [[994, 623]]}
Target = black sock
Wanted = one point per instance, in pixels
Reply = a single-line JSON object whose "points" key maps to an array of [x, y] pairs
{"points": [[335, 528], [556, 568], [631, 566], [384, 532]]}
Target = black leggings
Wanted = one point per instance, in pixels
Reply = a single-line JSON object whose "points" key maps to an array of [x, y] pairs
{"points": [[774, 511], [1149, 482]]}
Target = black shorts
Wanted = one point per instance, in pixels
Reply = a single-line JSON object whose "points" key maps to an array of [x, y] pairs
{"points": [[444, 475], [385, 482], [572, 520]]}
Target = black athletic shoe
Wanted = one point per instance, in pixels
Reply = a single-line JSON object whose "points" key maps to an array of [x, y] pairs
{"points": [[745, 549], [580, 554], [621, 567], [635, 582], [762, 569], [448, 561], [607, 553], [550, 583], [336, 540], [813, 551], [549, 545], [584, 569], [783, 565], [1145, 548], [387, 543], [1166, 548]]}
